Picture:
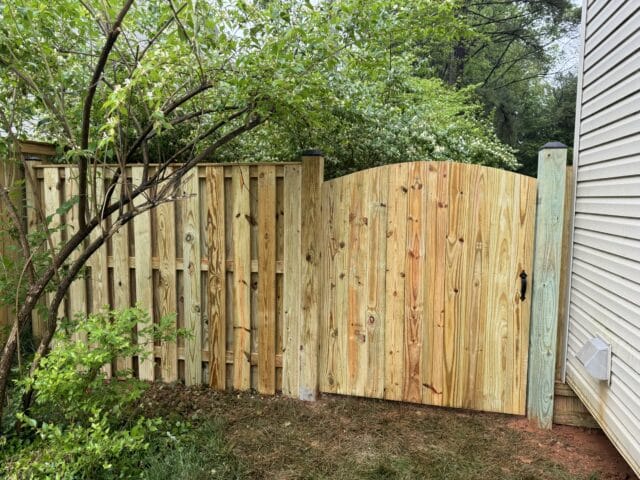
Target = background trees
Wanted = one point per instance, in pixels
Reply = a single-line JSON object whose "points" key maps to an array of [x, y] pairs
{"points": [[513, 55]]}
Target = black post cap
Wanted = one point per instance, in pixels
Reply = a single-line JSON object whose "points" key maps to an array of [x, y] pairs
{"points": [[311, 153], [552, 145]]}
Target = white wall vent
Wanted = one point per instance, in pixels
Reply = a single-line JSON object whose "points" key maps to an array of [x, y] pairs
{"points": [[595, 356]]}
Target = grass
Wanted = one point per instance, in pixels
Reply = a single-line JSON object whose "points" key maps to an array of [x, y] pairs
{"points": [[197, 453], [252, 437]]}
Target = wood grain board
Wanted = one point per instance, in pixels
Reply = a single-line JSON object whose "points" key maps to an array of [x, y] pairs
{"points": [[216, 288], [421, 285], [77, 291], [143, 279], [99, 276], [121, 274], [53, 189], [291, 300], [266, 279], [191, 258], [241, 227]]}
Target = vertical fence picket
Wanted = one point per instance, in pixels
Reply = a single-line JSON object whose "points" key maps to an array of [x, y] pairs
{"points": [[310, 258], [167, 289], [291, 327], [266, 279], [241, 278], [35, 208], [120, 257], [216, 287], [433, 369], [99, 279], [191, 276], [376, 212], [77, 290], [414, 285], [52, 186], [357, 245], [143, 278], [395, 282]]}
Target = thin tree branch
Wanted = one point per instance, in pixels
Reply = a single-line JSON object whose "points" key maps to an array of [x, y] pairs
{"points": [[86, 111]]}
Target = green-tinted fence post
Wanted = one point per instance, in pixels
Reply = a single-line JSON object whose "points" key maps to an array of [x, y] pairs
{"points": [[310, 232], [552, 161]]}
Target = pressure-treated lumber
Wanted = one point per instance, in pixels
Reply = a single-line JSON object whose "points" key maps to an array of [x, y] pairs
{"points": [[216, 288], [398, 180], [266, 279], [191, 278], [121, 279], [10, 178], [77, 291], [441, 275], [357, 242], [99, 277], [167, 288], [143, 279], [35, 209], [51, 198], [563, 304], [400, 282], [376, 211], [311, 229], [414, 290], [166, 269], [433, 357], [241, 278], [546, 288], [292, 285]]}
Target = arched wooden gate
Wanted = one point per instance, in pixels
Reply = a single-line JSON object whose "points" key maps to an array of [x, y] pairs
{"points": [[421, 285]]}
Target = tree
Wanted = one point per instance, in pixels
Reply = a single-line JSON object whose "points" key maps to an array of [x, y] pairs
{"points": [[113, 83], [510, 54]]}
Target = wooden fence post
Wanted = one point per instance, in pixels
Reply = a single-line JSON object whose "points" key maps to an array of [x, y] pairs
{"points": [[10, 173], [552, 160], [311, 227], [34, 153]]}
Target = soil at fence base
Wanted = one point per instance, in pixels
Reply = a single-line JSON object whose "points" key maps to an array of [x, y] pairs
{"points": [[338, 437]]}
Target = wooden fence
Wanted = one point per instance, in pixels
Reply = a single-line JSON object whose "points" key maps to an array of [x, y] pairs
{"points": [[220, 258], [247, 262]]}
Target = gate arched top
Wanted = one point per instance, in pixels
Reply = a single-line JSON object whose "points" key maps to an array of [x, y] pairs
{"points": [[431, 165]]}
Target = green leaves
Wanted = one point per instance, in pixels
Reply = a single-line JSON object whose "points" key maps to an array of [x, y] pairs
{"points": [[284, 56], [82, 426]]}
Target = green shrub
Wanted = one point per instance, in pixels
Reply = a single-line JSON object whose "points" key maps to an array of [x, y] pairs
{"points": [[80, 424]]}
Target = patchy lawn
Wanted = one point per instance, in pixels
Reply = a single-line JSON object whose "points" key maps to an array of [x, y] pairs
{"points": [[252, 437]]}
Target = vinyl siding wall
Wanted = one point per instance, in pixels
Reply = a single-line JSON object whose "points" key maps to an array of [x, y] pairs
{"points": [[604, 298]]}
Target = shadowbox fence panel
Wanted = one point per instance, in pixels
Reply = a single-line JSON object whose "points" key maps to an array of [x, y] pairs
{"points": [[215, 257]]}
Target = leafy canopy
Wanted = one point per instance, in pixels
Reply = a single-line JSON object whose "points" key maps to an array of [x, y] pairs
{"points": [[339, 76]]}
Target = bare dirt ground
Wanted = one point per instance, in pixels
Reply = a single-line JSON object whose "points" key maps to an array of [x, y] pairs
{"points": [[345, 438]]}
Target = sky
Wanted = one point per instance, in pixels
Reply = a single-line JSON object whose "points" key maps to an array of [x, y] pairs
{"points": [[569, 47]]}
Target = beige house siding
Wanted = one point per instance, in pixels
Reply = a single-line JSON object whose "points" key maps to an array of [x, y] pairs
{"points": [[604, 297]]}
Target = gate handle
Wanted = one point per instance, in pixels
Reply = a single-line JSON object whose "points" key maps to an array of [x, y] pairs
{"points": [[523, 285]]}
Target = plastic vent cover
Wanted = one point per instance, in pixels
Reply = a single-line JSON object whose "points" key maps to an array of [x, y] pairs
{"points": [[595, 356]]}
